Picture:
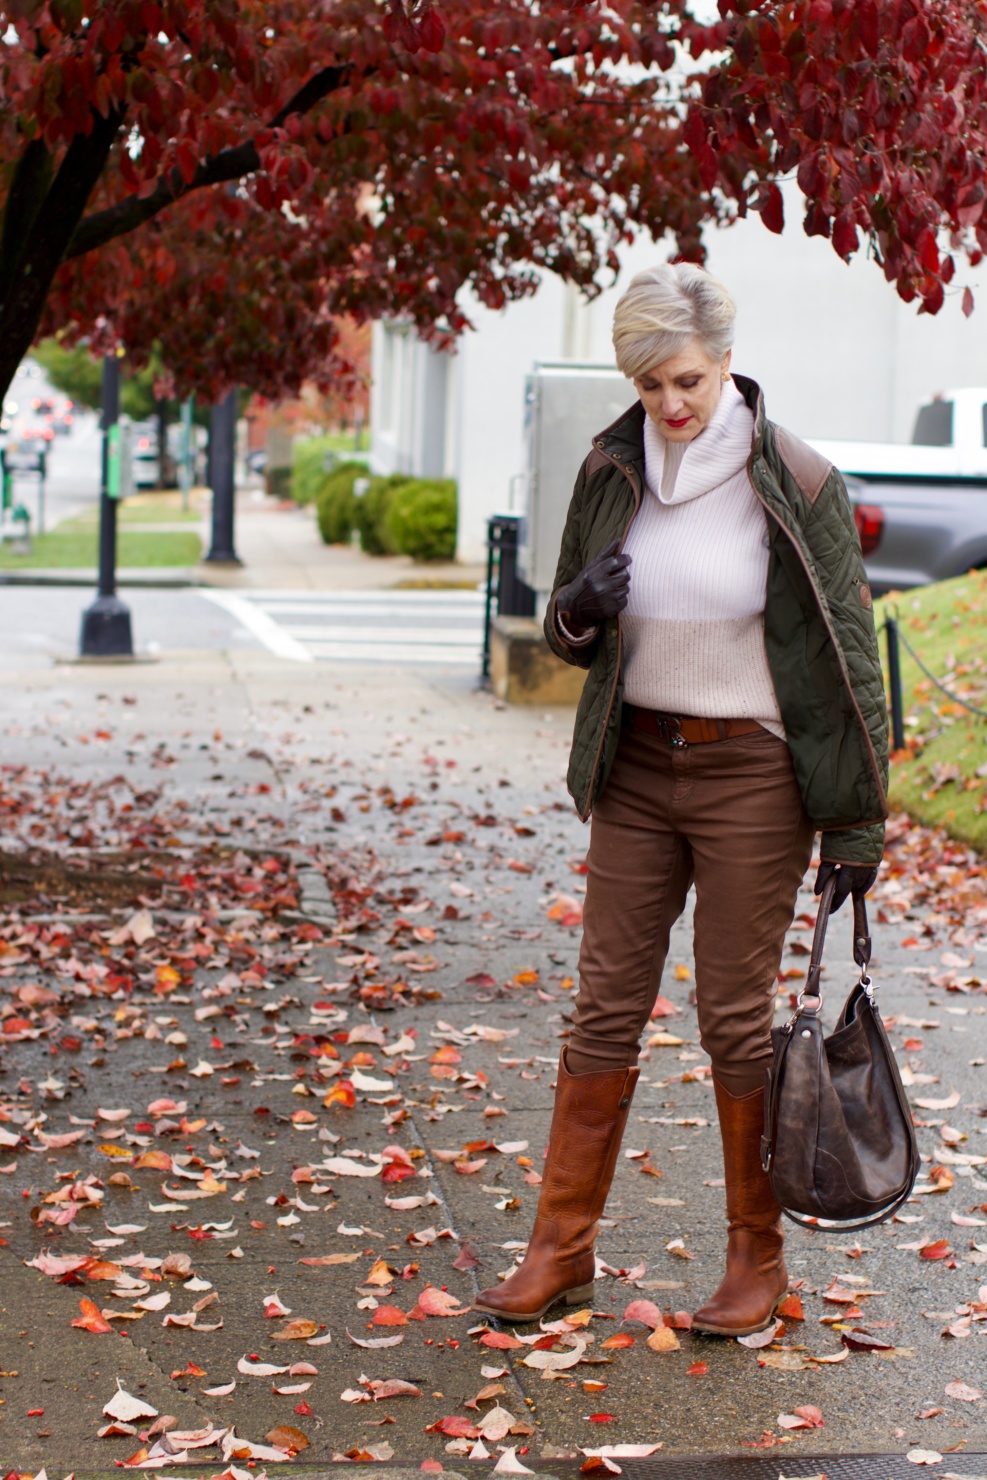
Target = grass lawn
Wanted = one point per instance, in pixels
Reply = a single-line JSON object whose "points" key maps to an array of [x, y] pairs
{"points": [[68, 548], [74, 542], [941, 775]]}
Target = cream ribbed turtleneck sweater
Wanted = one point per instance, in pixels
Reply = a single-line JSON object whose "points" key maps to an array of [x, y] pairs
{"points": [[694, 622]]}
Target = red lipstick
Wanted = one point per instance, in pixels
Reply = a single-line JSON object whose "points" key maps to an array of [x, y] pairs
{"points": [[676, 424]]}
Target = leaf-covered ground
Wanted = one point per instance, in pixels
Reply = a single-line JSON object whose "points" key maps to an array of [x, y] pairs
{"points": [[285, 966]]}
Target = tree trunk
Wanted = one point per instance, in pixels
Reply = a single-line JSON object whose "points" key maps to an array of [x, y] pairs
{"points": [[34, 244]]}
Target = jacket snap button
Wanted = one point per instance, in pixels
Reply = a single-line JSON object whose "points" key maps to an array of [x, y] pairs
{"points": [[625, 1102], [806, 1033]]}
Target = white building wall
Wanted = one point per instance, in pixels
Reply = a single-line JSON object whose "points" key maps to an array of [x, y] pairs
{"points": [[837, 352]]}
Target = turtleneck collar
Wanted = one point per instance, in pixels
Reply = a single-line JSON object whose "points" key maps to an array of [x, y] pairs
{"points": [[677, 472]]}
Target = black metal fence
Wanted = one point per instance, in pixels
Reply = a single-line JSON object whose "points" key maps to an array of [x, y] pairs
{"points": [[507, 594]]}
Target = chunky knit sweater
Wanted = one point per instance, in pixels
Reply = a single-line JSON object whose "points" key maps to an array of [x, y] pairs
{"points": [[694, 623]]}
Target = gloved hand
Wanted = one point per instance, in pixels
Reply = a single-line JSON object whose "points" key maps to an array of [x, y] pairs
{"points": [[599, 591], [851, 878]]}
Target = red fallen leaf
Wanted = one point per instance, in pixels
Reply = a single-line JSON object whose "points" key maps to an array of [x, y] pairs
{"points": [[284, 1436], [791, 1308], [189, 1370], [397, 1172], [663, 1007], [863, 1341], [455, 1427], [342, 1093], [35, 1412], [481, 979], [603, 1418], [303, 1409], [807, 1417], [389, 1315], [90, 1319], [466, 1258], [698, 1369], [621, 1339], [644, 1311], [679, 1320], [938, 1250], [596, 1465], [518, 866], [501, 1341], [431, 1467], [837, 1295]]}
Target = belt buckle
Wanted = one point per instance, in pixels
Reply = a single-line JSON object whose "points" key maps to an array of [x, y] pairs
{"points": [[670, 729]]}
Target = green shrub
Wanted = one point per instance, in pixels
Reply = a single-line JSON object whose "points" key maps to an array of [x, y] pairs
{"points": [[336, 506], [372, 512], [308, 468], [421, 520]]}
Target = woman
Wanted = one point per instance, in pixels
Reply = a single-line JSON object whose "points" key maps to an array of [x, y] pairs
{"points": [[711, 582]]}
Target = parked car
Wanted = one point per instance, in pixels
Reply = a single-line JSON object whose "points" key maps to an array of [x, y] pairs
{"points": [[144, 441], [921, 507]]}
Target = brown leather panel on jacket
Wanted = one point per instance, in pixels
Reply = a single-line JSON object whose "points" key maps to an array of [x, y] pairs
{"points": [[807, 466]]}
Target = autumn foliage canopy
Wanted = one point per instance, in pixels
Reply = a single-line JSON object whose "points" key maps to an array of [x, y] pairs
{"points": [[226, 178]]}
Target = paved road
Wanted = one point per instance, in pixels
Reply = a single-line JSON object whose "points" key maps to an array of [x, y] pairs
{"points": [[413, 627], [72, 482]]}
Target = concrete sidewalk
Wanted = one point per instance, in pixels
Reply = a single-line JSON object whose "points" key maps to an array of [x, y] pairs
{"points": [[437, 856], [281, 550]]}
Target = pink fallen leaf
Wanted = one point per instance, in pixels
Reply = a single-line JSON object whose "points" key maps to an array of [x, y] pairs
{"points": [[436, 1302], [644, 1311]]}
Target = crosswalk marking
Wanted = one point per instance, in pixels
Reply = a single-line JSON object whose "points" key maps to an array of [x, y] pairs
{"points": [[428, 627]]}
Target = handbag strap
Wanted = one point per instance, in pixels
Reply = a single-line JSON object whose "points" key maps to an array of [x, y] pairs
{"points": [[861, 945]]}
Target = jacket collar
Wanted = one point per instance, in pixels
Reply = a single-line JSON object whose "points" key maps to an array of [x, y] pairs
{"points": [[623, 439]]}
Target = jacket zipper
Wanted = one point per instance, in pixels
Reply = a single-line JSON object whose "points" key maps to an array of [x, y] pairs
{"points": [[620, 639], [829, 628]]}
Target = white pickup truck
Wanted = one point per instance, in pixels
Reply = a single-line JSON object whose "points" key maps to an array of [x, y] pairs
{"points": [[921, 508]]}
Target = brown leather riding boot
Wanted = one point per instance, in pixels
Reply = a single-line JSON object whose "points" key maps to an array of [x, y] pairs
{"points": [[756, 1279], [587, 1125]]}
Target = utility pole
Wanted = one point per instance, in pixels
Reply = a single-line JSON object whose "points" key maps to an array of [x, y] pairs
{"points": [[222, 456], [106, 631]]}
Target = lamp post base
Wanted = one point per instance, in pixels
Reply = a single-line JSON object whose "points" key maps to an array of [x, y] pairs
{"points": [[106, 631]]}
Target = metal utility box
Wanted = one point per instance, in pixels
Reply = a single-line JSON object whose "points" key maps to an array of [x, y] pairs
{"points": [[566, 404]]}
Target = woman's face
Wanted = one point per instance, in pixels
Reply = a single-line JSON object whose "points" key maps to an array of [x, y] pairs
{"points": [[681, 393]]}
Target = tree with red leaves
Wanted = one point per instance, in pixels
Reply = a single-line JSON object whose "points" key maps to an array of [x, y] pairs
{"points": [[878, 106], [227, 177]]}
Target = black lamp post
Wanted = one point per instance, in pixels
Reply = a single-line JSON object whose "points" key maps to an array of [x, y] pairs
{"points": [[106, 631], [222, 454]]}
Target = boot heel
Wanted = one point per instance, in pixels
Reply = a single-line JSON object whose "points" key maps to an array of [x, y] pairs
{"points": [[576, 1297]]}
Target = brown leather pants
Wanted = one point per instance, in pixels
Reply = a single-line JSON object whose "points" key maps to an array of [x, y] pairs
{"points": [[729, 817]]}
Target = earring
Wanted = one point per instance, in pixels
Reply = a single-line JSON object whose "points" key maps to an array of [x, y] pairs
{"points": [[725, 378]]}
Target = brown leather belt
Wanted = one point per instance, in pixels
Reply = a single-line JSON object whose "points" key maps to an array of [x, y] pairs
{"points": [[687, 729]]}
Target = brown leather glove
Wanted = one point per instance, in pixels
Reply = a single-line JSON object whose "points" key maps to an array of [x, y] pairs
{"points": [[851, 878], [598, 592]]}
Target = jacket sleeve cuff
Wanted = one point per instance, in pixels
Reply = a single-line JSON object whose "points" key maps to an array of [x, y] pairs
{"points": [[861, 845], [584, 640]]}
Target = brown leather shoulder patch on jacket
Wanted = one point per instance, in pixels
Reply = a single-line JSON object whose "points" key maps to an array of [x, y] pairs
{"points": [[807, 466], [595, 462]]}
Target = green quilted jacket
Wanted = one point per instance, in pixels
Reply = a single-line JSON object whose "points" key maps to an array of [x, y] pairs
{"points": [[818, 627]]}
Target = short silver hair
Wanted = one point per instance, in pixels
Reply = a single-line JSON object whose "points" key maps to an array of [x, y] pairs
{"points": [[666, 306]]}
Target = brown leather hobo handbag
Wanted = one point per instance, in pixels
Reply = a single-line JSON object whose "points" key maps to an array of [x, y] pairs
{"points": [[839, 1144]]}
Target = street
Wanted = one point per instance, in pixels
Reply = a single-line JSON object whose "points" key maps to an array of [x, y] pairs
{"points": [[288, 954]]}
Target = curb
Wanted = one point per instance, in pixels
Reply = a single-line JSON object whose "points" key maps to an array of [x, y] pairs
{"points": [[167, 578]]}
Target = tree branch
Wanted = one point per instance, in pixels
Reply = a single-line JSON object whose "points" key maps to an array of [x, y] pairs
{"points": [[230, 164]]}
